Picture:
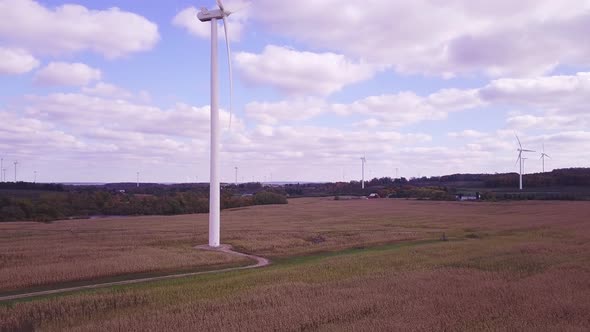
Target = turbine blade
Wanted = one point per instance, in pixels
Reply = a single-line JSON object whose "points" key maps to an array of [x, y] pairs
{"points": [[528, 150], [235, 10], [517, 160], [220, 5], [518, 139], [546, 155], [231, 78]]}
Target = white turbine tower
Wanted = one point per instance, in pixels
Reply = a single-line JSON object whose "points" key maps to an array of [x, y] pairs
{"points": [[520, 159], [236, 169], [214, 189], [543, 155], [363, 161], [15, 163]]}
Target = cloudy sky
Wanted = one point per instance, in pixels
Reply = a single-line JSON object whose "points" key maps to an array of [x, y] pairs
{"points": [[96, 91]]}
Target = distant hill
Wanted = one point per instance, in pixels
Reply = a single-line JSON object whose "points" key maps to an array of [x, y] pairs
{"points": [[555, 178]]}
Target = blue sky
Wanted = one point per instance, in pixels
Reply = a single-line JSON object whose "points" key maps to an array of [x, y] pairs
{"points": [[95, 93]]}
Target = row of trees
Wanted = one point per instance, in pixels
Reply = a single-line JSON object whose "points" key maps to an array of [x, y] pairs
{"points": [[49, 206], [555, 178]]}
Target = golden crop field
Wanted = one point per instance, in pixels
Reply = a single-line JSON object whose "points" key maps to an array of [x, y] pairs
{"points": [[337, 265]]}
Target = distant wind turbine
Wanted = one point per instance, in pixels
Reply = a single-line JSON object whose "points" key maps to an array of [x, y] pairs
{"points": [[214, 187], [543, 155], [236, 169], [363, 161], [520, 159], [15, 163], [2, 168]]}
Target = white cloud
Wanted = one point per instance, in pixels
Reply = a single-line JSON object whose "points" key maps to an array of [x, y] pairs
{"points": [[496, 38], [387, 110], [405, 108], [83, 111], [286, 110], [16, 61], [551, 102], [73, 28], [569, 93], [64, 73], [27, 134], [103, 89], [467, 133], [301, 73], [112, 91]]}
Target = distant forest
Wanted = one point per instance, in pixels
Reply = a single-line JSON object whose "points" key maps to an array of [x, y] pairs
{"points": [[47, 202]]}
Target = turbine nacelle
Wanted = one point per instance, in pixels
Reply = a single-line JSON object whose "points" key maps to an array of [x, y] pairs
{"points": [[206, 15]]}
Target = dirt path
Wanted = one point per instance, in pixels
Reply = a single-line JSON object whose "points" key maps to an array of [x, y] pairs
{"points": [[260, 262]]}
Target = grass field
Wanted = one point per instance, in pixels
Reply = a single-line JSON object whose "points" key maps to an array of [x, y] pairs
{"points": [[338, 265]]}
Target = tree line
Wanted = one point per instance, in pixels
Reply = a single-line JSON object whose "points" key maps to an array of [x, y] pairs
{"points": [[36, 204]]}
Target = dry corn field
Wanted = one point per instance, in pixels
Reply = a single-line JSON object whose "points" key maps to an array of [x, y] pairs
{"points": [[365, 265]]}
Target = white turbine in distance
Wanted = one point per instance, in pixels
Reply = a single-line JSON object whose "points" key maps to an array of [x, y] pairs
{"points": [[15, 163], [520, 159], [214, 187], [543, 155], [363, 161]]}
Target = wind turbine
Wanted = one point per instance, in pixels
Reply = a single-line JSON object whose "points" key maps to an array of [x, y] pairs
{"points": [[363, 161], [15, 163], [214, 190], [520, 159], [543, 155], [2, 168], [236, 169]]}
